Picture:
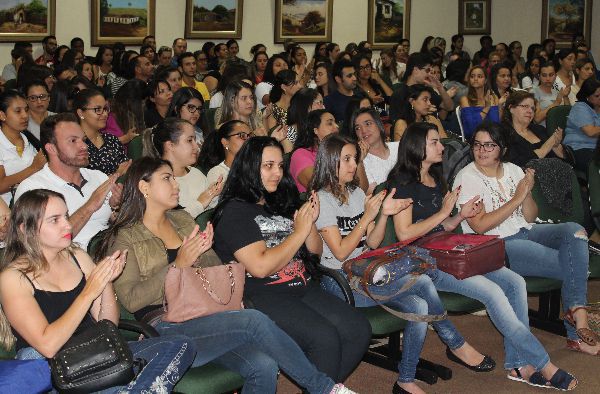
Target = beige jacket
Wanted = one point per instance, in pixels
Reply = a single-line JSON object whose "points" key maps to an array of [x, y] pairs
{"points": [[142, 281]]}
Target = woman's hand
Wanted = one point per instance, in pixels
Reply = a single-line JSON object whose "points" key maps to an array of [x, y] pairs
{"points": [[449, 201], [279, 133], [213, 190], [127, 137], [373, 204], [557, 136], [391, 206], [39, 160], [502, 99], [123, 167], [452, 91], [303, 219], [489, 99], [525, 185], [363, 147], [193, 246], [315, 204], [100, 276], [471, 208], [564, 92], [118, 259]]}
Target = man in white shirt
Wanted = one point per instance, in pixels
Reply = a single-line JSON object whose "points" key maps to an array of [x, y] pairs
{"points": [[90, 194]]}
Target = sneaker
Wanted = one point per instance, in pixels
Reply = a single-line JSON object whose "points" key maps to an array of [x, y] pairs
{"points": [[341, 389]]}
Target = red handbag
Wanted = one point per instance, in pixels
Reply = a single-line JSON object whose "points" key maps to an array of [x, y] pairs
{"points": [[464, 255]]}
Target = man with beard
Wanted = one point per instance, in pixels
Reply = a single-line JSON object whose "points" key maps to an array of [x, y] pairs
{"points": [[90, 194], [47, 58], [187, 67]]}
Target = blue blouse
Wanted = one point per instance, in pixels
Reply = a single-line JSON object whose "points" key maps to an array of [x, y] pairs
{"points": [[471, 118], [581, 115]]}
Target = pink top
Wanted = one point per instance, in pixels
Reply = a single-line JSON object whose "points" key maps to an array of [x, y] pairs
{"points": [[112, 127], [301, 159]]}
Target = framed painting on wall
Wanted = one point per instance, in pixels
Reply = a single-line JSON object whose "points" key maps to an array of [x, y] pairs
{"points": [[214, 18], [303, 20], [126, 21], [562, 19], [389, 22], [474, 17], [26, 20]]}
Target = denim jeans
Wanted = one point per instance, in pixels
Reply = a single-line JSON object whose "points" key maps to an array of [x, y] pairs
{"points": [[504, 295], [422, 299], [168, 358], [251, 344], [553, 251]]}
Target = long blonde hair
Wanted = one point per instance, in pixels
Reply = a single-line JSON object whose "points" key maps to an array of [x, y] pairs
{"points": [[23, 250]]}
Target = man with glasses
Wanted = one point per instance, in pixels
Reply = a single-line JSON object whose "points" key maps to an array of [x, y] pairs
{"points": [[419, 71], [91, 196], [344, 74], [49, 45]]}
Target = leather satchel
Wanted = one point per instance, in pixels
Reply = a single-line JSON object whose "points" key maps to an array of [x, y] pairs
{"points": [[382, 266], [464, 255], [193, 292], [93, 360]]}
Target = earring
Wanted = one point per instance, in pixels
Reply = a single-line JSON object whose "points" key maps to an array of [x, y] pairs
{"points": [[227, 148], [145, 195], [82, 118]]}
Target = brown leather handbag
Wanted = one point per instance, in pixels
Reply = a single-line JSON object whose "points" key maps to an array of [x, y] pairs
{"points": [[193, 292], [464, 255]]}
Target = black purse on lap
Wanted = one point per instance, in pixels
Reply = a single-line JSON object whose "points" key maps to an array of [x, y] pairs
{"points": [[93, 360]]}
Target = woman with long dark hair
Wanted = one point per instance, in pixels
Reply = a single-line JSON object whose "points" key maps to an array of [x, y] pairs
{"points": [[275, 64], [417, 175], [417, 108], [38, 316], [260, 224], [126, 120], [188, 104], [159, 237]]}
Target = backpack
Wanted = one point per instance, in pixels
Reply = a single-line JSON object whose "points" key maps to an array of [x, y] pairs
{"points": [[457, 154]]}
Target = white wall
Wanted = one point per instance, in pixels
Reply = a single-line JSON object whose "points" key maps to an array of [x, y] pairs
{"points": [[511, 20]]}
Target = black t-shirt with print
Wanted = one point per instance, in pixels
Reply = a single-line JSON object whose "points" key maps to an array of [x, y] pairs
{"points": [[427, 201], [242, 224]]}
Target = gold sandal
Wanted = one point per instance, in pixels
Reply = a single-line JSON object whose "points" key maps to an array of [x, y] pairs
{"points": [[588, 336]]}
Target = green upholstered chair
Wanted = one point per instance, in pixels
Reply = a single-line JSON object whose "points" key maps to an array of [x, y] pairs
{"points": [[135, 148], [208, 120], [204, 218], [557, 117]]}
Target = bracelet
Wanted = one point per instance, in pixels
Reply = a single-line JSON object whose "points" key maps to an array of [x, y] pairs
{"points": [[485, 113]]}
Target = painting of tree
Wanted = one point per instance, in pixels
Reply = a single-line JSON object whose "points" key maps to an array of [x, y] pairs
{"points": [[303, 20], [213, 19], [26, 20], [562, 19]]}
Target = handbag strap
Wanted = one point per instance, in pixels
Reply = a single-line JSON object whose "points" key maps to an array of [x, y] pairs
{"points": [[209, 290], [362, 287]]}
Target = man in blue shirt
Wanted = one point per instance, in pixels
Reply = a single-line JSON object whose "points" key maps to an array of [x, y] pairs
{"points": [[345, 78]]}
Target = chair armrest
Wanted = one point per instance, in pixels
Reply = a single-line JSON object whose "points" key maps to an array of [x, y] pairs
{"points": [[137, 326], [340, 280]]}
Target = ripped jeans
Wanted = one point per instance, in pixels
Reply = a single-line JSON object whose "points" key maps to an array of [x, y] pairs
{"points": [[557, 251]]}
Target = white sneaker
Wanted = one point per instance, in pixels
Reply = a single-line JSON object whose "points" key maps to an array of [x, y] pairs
{"points": [[341, 389]]}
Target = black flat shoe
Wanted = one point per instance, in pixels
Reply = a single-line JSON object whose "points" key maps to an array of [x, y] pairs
{"points": [[398, 390], [486, 365]]}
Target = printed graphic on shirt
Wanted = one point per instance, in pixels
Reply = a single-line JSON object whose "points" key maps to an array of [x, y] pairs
{"points": [[346, 224], [274, 231]]}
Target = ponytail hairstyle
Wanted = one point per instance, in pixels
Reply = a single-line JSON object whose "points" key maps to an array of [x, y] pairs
{"points": [[283, 77], [167, 130], [23, 248], [212, 152]]}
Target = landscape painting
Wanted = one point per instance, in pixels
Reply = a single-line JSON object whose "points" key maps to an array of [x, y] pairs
{"points": [[303, 20], [127, 21], [26, 20], [389, 22], [562, 19], [214, 18]]}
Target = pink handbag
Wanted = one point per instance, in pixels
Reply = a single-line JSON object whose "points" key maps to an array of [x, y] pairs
{"points": [[193, 292]]}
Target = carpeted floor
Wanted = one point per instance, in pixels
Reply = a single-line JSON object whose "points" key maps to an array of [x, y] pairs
{"points": [[480, 332]]}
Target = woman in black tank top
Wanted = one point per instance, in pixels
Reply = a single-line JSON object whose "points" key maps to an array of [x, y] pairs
{"points": [[50, 290]]}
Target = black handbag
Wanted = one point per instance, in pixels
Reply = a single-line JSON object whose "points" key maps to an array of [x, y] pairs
{"points": [[93, 360]]}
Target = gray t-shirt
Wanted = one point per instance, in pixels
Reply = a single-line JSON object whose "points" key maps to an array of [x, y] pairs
{"points": [[345, 217]]}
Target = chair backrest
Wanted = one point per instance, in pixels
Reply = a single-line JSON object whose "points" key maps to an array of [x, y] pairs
{"points": [[460, 123], [547, 212], [208, 120], [204, 218], [135, 148], [557, 117], [457, 154]]}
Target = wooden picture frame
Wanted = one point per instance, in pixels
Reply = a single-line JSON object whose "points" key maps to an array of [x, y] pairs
{"points": [[28, 22], [389, 22], [222, 21], [126, 21], [562, 19], [303, 21], [474, 17]]}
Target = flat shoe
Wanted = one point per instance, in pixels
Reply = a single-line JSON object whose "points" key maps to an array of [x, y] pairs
{"points": [[536, 379], [588, 336], [561, 381], [399, 390], [575, 345], [486, 365]]}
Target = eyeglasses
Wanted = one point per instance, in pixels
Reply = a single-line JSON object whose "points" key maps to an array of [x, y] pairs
{"points": [[525, 106], [243, 136], [193, 108], [487, 146], [367, 67], [41, 97], [98, 110]]}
